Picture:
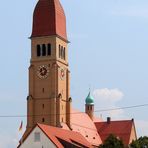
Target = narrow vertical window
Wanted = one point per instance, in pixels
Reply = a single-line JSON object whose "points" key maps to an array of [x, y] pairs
{"points": [[59, 51], [49, 49], [43, 50], [43, 120], [64, 53], [38, 50], [37, 137]]}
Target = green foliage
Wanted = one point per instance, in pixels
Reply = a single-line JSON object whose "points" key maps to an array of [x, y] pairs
{"points": [[142, 142], [112, 142]]}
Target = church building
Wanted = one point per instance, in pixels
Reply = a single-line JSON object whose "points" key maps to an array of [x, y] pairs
{"points": [[49, 103]]}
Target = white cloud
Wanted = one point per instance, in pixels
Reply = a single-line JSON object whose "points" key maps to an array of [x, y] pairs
{"points": [[112, 95], [107, 99]]}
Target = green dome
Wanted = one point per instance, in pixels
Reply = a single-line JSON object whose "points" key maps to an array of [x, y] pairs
{"points": [[89, 100]]}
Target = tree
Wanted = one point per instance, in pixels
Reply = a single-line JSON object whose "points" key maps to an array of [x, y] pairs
{"points": [[142, 142], [112, 142]]}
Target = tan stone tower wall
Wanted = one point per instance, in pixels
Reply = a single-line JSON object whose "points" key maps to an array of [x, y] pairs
{"points": [[49, 97]]}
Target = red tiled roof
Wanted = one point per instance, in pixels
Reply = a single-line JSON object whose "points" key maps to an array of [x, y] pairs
{"points": [[69, 136], [49, 19], [81, 122], [121, 129]]}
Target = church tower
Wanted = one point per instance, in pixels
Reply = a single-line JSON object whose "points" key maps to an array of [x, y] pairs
{"points": [[49, 99]]}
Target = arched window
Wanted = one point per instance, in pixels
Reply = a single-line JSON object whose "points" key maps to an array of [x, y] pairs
{"points": [[38, 50], [43, 50], [90, 107], [64, 53], [49, 49], [87, 107], [59, 51]]}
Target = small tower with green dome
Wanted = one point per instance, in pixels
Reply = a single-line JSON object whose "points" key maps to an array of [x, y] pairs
{"points": [[89, 106]]}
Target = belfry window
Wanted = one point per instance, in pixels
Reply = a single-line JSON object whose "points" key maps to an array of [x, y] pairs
{"points": [[64, 53], [49, 49], [38, 50], [43, 50], [59, 51]]}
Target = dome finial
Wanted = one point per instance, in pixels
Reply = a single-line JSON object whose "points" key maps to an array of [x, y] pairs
{"points": [[90, 88], [89, 99]]}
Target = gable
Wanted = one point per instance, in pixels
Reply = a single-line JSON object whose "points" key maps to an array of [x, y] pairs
{"points": [[133, 135], [42, 141]]}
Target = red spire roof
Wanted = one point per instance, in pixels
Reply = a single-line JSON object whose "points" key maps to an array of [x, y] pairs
{"points": [[49, 19]]}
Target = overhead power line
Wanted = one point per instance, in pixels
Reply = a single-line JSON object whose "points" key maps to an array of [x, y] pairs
{"points": [[102, 110], [122, 108]]}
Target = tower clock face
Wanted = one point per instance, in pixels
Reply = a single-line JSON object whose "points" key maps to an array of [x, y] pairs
{"points": [[43, 71]]}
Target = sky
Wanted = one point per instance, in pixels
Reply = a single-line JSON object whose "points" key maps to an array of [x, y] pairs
{"points": [[107, 54]]}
